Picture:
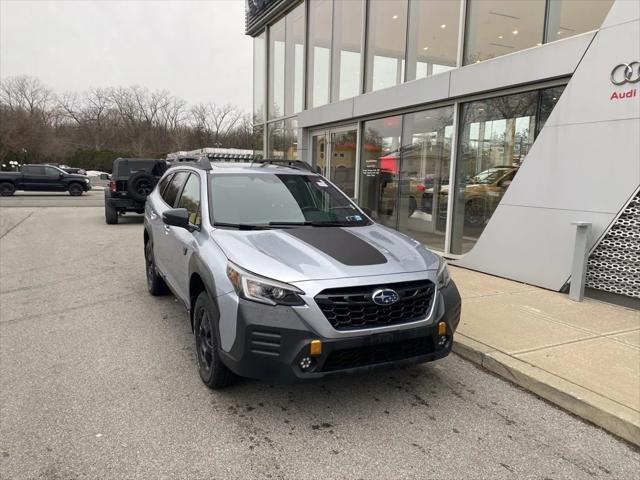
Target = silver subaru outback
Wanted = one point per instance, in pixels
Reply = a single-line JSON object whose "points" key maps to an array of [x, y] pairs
{"points": [[286, 279]]}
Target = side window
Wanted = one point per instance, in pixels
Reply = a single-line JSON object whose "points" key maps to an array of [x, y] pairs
{"points": [[190, 198], [163, 184], [51, 172], [171, 192], [33, 170]]}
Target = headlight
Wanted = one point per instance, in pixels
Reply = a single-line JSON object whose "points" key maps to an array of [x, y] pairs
{"points": [[443, 278], [263, 290]]}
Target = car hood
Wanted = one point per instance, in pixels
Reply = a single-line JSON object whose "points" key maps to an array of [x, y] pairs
{"points": [[320, 253]]}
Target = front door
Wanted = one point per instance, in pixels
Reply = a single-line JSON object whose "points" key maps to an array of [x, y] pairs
{"points": [[334, 153]]}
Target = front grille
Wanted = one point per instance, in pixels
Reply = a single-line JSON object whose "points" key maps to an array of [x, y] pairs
{"points": [[353, 308], [375, 354]]}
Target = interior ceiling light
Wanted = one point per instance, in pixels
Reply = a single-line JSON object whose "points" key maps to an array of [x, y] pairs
{"points": [[559, 32], [515, 32], [425, 48], [443, 26], [500, 37], [539, 44], [395, 17]]}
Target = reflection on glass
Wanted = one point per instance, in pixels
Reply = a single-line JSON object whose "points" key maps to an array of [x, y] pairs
{"points": [[498, 27], [548, 99], [343, 160], [258, 140], [379, 168], [291, 139], [276, 69], [319, 153], [424, 175], [386, 38], [294, 60], [495, 137], [258, 78], [347, 48], [319, 52], [571, 17], [433, 37], [276, 140]]}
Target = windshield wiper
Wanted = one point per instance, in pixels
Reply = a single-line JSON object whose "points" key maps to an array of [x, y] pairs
{"points": [[242, 226], [311, 224]]}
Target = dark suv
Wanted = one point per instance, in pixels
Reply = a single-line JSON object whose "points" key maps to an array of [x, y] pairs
{"points": [[132, 179]]}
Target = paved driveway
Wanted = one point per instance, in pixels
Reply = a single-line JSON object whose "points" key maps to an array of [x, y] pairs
{"points": [[98, 380]]}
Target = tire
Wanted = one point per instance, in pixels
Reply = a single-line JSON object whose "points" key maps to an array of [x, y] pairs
{"points": [[213, 372], [110, 214], [155, 283], [75, 189], [413, 205], [7, 189], [140, 185], [475, 213]]}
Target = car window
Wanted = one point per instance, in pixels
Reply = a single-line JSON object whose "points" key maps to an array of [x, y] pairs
{"points": [[33, 170], [163, 184], [280, 198], [52, 172], [190, 198], [171, 192]]}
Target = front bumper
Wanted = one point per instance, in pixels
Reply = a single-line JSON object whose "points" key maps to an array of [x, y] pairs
{"points": [[271, 343]]}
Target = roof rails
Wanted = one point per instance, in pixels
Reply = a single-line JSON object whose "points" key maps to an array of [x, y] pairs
{"points": [[297, 164], [198, 162]]}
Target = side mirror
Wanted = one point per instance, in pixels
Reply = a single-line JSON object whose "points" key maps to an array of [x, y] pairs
{"points": [[104, 176], [61, 175], [176, 217]]}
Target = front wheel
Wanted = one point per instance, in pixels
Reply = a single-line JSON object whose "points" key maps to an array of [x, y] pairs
{"points": [[75, 190], [213, 372]]}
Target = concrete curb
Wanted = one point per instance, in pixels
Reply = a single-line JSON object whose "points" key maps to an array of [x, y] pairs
{"points": [[603, 412]]}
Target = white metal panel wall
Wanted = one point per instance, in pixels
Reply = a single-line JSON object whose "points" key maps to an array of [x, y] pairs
{"points": [[584, 166]]}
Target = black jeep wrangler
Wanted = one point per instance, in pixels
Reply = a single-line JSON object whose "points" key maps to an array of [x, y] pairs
{"points": [[132, 179]]}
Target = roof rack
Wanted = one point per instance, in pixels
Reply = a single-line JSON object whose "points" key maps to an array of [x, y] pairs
{"points": [[297, 164], [201, 162]]}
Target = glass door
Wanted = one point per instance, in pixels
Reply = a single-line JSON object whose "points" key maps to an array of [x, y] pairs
{"points": [[335, 156]]}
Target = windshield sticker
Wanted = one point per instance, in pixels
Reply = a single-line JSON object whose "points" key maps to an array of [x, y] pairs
{"points": [[354, 218], [321, 183]]}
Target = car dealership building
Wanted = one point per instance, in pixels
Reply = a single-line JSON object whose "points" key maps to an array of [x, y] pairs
{"points": [[527, 111]]}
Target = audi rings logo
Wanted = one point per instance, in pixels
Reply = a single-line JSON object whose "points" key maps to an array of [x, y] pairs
{"points": [[625, 73]]}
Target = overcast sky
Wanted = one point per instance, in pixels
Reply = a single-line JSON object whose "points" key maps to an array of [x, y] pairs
{"points": [[195, 49]]}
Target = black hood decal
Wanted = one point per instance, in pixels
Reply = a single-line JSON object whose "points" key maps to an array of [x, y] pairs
{"points": [[340, 245]]}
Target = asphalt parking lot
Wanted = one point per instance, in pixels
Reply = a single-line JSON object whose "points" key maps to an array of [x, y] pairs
{"points": [[98, 380]]}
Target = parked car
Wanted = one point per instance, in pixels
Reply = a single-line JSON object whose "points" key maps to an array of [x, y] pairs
{"points": [[77, 171], [286, 279], [43, 178], [132, 179]]}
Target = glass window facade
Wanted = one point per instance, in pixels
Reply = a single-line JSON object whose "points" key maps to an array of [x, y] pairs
{"points": [[424, 175], [294, 79], [319, 52], [495, 136], [498, 27], [570, 17], [259, 53], [276, 69], [386, 39], [291, 138], [433, 37], [347, 49], [276, 140]]}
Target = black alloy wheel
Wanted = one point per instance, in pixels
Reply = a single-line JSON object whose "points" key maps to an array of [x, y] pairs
{"points": [[474, 213], [7, 189], [75, 189], [155, 283]]}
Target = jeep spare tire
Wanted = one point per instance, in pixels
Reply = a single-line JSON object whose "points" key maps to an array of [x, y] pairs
{"points": [[140, 185]]}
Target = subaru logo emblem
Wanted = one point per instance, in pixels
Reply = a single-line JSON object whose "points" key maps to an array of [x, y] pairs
{"points": [[385, 296]]}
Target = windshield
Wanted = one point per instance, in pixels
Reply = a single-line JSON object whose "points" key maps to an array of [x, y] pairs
{"points": [[279, 200], [489, 176]]}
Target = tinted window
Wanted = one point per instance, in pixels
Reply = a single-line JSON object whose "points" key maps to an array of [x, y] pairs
{"points": [[33, 170], [163, 184], [190, 198], [52, 172], [171, 192]]}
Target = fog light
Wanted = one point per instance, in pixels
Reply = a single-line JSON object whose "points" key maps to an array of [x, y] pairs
{"points": [[442, 328], [315, 348], [442, 340], [305, 363]]}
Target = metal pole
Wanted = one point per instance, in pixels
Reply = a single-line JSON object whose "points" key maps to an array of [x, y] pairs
{"points": [[579, 267]]}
